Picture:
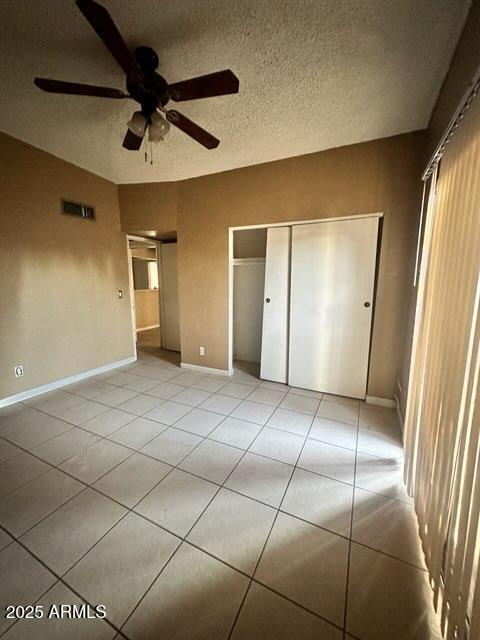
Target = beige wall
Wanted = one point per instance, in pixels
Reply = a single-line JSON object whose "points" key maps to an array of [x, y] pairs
{"points": [[382, 175], [149, 207], [59, 309], [146, 308], [378, 176]]}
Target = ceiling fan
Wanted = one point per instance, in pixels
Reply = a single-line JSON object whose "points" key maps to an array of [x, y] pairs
{"points": [[145, 86]]}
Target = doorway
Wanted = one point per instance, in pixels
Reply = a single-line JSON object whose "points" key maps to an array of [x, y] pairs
{"points": [[316, 311], [154, 293]]}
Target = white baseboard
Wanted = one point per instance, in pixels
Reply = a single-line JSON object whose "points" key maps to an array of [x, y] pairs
{"points": [[152, 326], [381, 402], [57, 384], [206, 370]]}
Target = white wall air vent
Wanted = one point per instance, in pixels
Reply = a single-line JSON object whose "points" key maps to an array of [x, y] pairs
{"points": [[78, 209]]}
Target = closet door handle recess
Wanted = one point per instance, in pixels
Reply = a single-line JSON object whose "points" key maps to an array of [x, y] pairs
{"points": [[366, 304], [267, 300]]}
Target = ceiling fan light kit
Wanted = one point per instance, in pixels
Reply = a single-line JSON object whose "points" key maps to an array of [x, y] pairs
{"points": [[146, 86]]}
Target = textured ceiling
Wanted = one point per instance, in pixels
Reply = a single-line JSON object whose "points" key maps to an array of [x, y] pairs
{"points": [[314, 74]]}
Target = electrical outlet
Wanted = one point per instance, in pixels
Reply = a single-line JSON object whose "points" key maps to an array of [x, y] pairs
{"points": [[202, 351], [18, 368]]}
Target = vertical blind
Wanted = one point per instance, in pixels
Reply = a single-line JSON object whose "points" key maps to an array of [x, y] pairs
{"points": [[442, 423]]}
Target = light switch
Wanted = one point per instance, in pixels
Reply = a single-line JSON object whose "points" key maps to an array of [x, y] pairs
{"points": [[120, 293]]}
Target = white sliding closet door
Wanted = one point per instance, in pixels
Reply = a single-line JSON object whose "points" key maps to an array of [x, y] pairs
{"points": [[332, 286], [273, 364], [169, 308]]}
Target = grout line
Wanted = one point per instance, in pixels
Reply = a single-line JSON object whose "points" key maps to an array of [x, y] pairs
{"points": [[220, 486], [268, 536], [347, 580]]}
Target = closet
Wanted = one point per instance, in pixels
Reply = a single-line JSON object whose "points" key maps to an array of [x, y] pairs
{"points": [[318, 304]]}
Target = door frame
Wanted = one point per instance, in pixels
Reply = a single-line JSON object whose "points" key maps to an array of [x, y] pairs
{"points": [[287, 223], [131, 284]]}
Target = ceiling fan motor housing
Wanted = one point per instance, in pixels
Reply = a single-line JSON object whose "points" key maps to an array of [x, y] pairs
{"points": [[152, 90]]}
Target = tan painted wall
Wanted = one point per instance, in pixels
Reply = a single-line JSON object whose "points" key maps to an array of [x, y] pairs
{"points": [[59, 309], [146, 308], [376, 176], [149, 207]]}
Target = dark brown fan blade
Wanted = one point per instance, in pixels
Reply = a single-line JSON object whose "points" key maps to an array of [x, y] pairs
{"points": [[192, 129], [73, 88], [131, 141], [219, 83], [104, 26]]}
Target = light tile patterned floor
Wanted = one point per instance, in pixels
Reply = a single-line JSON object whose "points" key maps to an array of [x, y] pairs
{"points": [[200, 507]]}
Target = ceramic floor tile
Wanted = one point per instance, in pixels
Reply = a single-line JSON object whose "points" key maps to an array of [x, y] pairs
{"points": [[328, 460], [27, 505], [237, 390], [388, 598], [22, 418], [280, 445], [199, 421], [108, 422], [233, 528], [351, 402], [171, 446], [18, 471], [122, 566], [212, 460], [132, 479], [214, 590], [5, 539], [27, 579], [260, 478], [140, 404], [387, 525], [8, 451], [177, 502], [120, 379], [303, 404], [373, 416], [238, 433], [62, 538], [187, 379], [60, 403], [32, 436], [320, 500], [82, 412], [141, 385], [91, 463], [334, 432], [267, 616], [89, 389], [64, 628], [276, 386], [64, 446], [272, 397], [338, 411], [307, 565], [306, 393], [381, 475], [292, 421], [116, 396], [221, 404], [210, 384], [137, 433], [165, 390], [191, 397], [168, 412], [385, 444], [253, 412]]}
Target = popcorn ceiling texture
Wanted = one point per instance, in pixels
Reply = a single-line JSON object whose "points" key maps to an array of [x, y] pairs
{"points": [[314, 74]]}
